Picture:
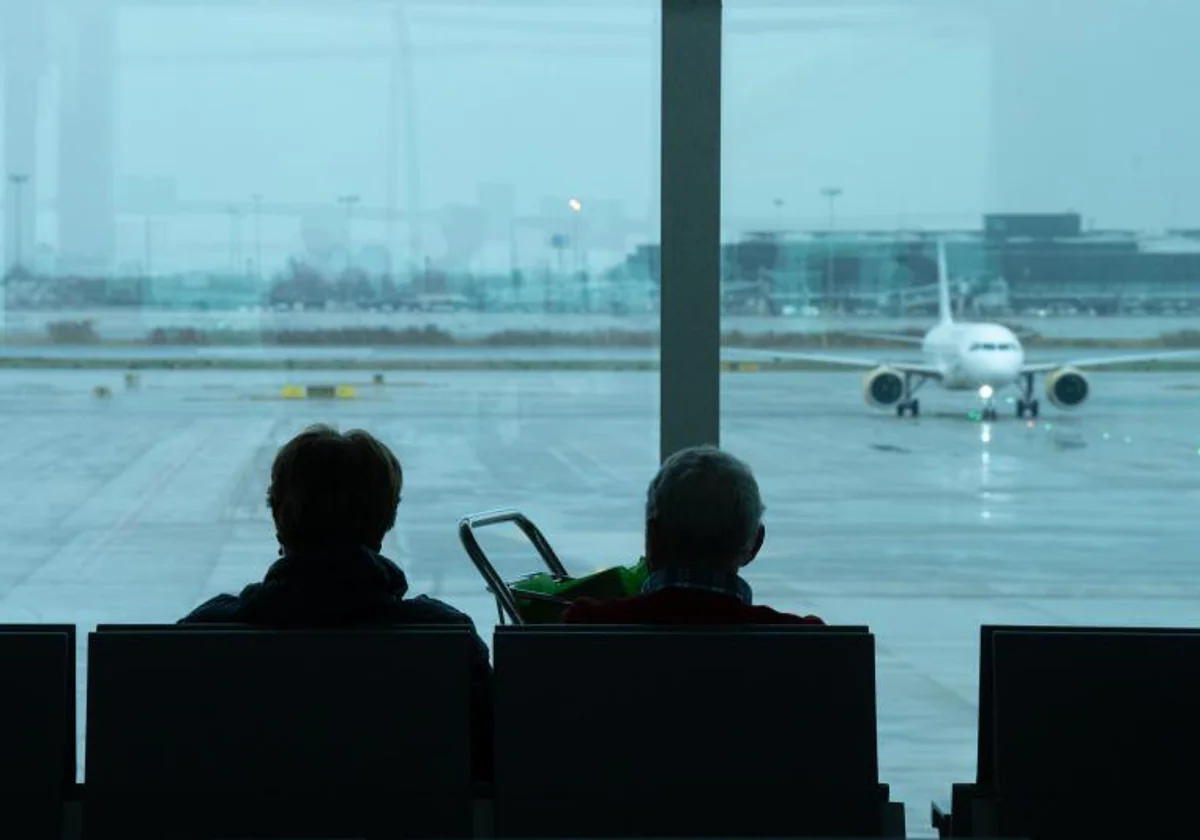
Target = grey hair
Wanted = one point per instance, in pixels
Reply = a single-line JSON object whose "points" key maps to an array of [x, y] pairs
{"points": [[706, 503]]}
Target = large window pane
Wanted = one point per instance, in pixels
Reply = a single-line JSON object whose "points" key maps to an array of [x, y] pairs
{"points": [[1050, 148], [447, 210]]}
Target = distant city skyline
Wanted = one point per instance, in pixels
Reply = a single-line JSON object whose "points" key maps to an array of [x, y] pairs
{"points": [[925, 115]]}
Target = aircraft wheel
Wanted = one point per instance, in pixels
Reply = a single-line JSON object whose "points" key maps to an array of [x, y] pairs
{"points": [[916, 408], [1033, 409], [900, 409], [1021, 409]]}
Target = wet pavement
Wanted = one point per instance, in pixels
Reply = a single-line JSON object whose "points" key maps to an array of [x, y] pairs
{"points": [[134, 507]]}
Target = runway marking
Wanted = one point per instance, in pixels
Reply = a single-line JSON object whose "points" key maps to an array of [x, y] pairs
{"points": [[568, 455], [92, 553], [133, 514], [612, 474]]}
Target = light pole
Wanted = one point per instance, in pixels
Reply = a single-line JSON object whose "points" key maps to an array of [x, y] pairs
{"points": [[147, 244], [559, 243], [257, 200], [348, 201], [18, 184], [778, 215], [235, 240], [830, 193], [577, 211]]}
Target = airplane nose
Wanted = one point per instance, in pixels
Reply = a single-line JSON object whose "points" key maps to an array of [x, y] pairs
{"points": [[998, 370]]}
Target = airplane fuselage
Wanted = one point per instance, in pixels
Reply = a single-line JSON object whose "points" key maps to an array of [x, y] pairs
{"points": [[970, 356]]}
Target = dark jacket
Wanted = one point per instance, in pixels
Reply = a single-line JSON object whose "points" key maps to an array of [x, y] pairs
{"points": [[347, 587], [678, 606]]}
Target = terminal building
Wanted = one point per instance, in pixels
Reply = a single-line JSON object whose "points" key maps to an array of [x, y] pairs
{"points": [[1015, 263]]}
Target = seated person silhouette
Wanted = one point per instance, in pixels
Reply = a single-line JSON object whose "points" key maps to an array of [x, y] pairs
{"points": [[703, 524], [333, 497]]}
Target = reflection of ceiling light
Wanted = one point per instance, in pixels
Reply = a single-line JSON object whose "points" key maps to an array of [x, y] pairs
{"points": [[986, 392]]}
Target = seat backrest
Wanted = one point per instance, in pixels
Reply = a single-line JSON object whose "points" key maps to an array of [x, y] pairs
{"points": [[70, 731], [37, 734], [251, 731], [174, 628], [1096, 731], [684, 730], [684, 629], [986, 751]]}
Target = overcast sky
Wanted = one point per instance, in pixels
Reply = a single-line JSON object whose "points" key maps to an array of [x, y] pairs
{"points": [[925, 114]]}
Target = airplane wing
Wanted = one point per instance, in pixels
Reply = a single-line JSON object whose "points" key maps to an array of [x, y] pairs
{"points": [[899, 338], [1112, 361], [917, 368]]}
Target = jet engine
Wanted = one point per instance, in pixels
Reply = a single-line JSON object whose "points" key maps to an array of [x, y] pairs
{"points": [[883, 387], [1067, 387]]}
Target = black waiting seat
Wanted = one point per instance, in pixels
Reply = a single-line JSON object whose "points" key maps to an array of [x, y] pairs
{"points": [[237, 732], [37, 728], [624, 731], [1083, 732]]}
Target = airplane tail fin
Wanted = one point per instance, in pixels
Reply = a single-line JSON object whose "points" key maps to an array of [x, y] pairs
{"points": [[944, 313]]}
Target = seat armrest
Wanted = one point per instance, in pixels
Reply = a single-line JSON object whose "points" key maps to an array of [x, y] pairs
{"points": [[955, 820], [894, 820], [962, 809], [965, 801], [941, 820]]}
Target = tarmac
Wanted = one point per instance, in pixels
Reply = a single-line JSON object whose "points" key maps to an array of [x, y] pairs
{"points": [[135, 503]]}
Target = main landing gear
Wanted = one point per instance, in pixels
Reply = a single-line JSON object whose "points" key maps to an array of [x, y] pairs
{"points": [[908, 404], [1027, 404]]}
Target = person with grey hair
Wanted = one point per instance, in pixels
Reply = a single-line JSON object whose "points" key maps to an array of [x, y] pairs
{"points": [[703, 525]]}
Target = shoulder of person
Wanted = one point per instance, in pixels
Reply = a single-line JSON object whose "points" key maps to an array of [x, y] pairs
{"points": [[224, 608], [433, 611], [786, 618], [425, 610], [802, 619], [582, 610]]}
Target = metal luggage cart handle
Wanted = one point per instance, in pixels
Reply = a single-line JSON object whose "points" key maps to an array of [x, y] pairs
{"points": [[496, 584]]}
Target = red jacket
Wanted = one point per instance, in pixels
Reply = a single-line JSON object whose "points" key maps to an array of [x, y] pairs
{"points": [[678, 606]]}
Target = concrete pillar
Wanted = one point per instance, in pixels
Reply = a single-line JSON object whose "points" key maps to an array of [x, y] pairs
{"points": [[86, 146], [690, 326], [23, 27]]}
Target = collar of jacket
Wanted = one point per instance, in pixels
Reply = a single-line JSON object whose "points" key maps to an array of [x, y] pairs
{"points": [[723, 583]]}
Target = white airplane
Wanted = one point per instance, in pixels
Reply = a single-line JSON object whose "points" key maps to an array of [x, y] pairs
{"points": [[969, 357]]}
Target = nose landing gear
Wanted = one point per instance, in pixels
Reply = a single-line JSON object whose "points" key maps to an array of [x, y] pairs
{"points": [[1027, 404], [988, 394]]}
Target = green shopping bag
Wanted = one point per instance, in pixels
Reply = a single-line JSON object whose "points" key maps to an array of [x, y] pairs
{"points": [[542, 597]]}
